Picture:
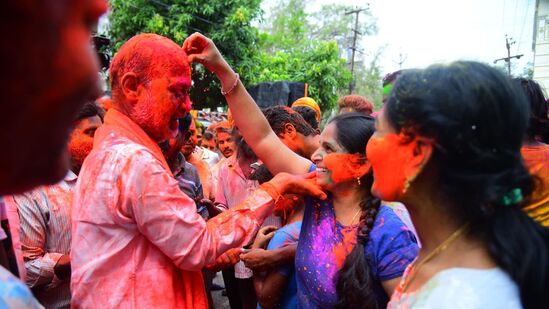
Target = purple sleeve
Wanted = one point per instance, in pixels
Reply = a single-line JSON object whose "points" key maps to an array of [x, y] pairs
{"points": [[392, 246]]}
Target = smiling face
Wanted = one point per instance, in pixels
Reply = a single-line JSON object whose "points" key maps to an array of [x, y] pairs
{"points": [[49, 70], [328, 145], [150, 78]]}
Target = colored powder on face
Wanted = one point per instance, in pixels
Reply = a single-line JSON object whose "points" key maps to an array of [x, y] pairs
{"points": [[392, 158], [346, 167], [80, 145]]}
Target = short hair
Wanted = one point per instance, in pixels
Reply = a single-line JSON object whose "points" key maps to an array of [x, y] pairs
{"points": [[90, 109], [355, 103], [208, 136], [278, 116], [539, 121], [391, 77], [308, 114], [140, 54]]}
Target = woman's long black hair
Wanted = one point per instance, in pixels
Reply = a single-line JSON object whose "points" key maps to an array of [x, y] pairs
{"points": [[478, 118], [353, 285]]}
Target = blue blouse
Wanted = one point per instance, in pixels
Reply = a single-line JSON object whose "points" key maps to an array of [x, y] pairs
{"points": [[391, 247]]}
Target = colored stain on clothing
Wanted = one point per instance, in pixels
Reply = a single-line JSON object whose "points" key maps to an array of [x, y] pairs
{"points": [[324, 243], [536, 159], [138, 241]]}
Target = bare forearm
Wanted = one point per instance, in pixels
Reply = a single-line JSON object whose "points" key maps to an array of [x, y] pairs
{"points": [[284, 255]]}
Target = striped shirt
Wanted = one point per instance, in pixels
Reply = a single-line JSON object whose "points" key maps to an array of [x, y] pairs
{"points": [[232, 188], [45, 231]]}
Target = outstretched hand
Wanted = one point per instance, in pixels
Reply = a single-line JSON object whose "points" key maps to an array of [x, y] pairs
{"points": [[298, 184]]}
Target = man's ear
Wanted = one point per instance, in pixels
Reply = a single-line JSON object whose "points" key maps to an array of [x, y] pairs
{"points": [[290, 130], [130, 85]]}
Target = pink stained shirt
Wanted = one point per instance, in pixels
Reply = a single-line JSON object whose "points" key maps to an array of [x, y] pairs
{"points": [[138, 241]]}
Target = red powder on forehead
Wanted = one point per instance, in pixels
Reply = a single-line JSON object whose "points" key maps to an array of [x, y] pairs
{"points": [[149, 55], [346, 167]]}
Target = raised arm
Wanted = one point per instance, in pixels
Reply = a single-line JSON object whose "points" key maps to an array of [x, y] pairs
{"points": [[247, 115]]}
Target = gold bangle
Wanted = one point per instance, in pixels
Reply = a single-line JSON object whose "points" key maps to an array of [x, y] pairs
{"points": [[224, 93]]}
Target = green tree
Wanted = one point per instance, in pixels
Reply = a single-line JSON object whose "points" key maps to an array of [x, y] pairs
{"points": [[228, 23], [289, 53], [312, 48]]}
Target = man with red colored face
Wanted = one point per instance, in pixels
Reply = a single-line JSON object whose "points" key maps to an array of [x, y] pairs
{"points": [[45, 220], [49, 70], [138, 240]]}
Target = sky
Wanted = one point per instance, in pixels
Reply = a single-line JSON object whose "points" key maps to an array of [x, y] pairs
{"points": [[432, 31]]}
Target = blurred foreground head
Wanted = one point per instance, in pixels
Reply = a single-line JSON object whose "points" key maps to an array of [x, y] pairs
{"points": [[49, 70]]}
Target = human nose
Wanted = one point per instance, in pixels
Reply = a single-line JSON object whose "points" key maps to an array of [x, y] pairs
{"points": [[316, 156]]}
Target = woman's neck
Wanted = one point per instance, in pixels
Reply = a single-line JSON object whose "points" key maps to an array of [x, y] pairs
{"points": [[434, 224], [346, 201]]}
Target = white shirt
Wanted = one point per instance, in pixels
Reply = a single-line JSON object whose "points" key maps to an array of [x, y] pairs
{"points": [[461, 288]]}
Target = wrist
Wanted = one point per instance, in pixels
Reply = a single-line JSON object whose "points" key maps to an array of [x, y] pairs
{"points": [[225, 74]]}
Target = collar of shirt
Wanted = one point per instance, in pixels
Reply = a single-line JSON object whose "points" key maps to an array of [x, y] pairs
{"points": [[116, 122], [71, 176], [232, 163]]}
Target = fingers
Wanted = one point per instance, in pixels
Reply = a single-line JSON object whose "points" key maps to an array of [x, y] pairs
{"points": [[268, 229], [311, 175], [194, 43], [306, 187], [270, 235], [192, 58], [315, 191]]}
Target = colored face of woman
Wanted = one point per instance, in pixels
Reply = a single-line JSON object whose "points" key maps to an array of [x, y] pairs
{"points": [[395, 160], [328, 145]]}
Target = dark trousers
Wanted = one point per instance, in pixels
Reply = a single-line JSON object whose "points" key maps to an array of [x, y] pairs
{"points": [[241, 292]]}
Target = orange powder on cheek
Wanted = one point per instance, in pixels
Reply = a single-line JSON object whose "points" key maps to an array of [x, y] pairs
{"points": [[390, 157], [346, 167]]}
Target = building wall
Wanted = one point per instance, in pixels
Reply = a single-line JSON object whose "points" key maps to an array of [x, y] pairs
{"points": [[541, 44]]}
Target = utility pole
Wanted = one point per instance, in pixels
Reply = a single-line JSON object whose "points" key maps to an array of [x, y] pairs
{"points": [[508, 43], [401, 59], [356, 33]]}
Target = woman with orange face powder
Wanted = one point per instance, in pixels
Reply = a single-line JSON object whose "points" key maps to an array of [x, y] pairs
{"points": [[352, 250], [447, 145]]}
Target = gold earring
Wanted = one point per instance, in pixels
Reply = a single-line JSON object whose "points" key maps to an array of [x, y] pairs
{"points": [[358, 181]]}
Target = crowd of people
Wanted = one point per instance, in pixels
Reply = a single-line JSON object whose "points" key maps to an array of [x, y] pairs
{"points": [[438, 200]]}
